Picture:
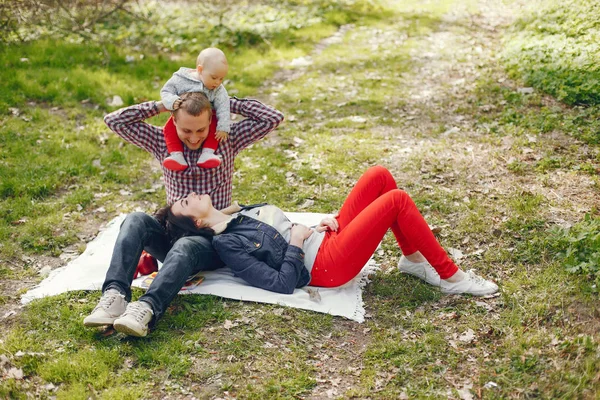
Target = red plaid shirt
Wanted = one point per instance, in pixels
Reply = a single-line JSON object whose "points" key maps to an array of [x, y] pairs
{"points": [[260, 119]]}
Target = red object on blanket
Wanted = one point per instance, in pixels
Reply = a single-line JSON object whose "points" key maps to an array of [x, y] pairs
{"points": [[146, 265]]}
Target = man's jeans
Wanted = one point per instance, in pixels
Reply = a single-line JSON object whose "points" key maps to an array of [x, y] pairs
{"points": [[188, 256]]}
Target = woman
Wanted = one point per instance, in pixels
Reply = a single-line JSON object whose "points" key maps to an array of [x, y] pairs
{"points": [[265, 249]]}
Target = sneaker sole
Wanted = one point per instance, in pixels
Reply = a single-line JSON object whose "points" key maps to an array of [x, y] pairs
{"points": [[479, 294], [421, 277], [174, 166], [209, 164], [122, 328], [98, 322]]}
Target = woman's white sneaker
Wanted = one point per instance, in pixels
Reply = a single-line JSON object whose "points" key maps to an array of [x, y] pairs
{"points": [[471, 284], [422, 270]]}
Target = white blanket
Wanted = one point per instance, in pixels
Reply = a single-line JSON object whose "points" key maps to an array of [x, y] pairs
{"points": [[87, 272]]}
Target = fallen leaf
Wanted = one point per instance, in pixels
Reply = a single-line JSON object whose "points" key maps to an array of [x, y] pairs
{"points": [[307, 203], [468, 336], [525, 90], [465, 392], [115, 101], [15, 373], [490, 385], [313, 294], [228, 324], [455, 253], [357, 118]]}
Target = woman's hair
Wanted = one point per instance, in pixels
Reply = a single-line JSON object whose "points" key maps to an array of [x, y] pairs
{"points": [[178, 226]]}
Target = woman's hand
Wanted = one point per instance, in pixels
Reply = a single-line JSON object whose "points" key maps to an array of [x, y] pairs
{"points": [[299, 234], [329, 223]]}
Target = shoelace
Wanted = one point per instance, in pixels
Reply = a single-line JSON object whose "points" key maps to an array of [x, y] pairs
{"points": [[476, 278], [106, 300], [137, 311]]}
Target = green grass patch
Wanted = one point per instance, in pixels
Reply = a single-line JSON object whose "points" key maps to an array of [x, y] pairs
{"points": [[554, 48]]}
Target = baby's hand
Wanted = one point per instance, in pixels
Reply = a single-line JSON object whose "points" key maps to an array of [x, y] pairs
{"points": [[222, 136], [177, 104]]}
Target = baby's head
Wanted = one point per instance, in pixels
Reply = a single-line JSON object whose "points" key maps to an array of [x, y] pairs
{"points": [[212, 67]]}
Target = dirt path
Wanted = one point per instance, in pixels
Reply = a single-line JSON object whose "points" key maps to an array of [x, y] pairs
{"points": [[439, 145]]}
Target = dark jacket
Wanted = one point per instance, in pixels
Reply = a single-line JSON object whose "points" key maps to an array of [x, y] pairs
{"points": [[257, 253]]}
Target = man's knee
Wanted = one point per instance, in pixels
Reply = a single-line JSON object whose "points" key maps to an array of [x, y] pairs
{"points": [[196, 250], [191, 246], [137, 218]]}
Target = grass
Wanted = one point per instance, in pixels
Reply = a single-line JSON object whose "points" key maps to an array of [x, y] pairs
{"points": [[553, 47], [500, 187]]}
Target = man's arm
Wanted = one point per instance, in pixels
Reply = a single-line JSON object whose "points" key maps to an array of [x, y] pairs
{"points": [[129, 123], [260, 120]]}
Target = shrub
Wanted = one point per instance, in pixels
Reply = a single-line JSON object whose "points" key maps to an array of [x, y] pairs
{"points": [[579, 247], [555, 47]]}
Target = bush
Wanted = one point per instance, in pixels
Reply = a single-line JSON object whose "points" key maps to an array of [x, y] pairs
{"points": [[555, 47], [579, 247]]}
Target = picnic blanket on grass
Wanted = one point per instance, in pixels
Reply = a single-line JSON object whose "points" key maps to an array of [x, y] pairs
{"points": [[87, 272]]}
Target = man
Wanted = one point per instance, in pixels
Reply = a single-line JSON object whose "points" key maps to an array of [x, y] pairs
{"points": [[139, 231]]}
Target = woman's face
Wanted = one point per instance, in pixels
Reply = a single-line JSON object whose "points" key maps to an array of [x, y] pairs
{"points": [[195, 206]]}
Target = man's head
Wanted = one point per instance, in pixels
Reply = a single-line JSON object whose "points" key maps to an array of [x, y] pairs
{"points": [[212, 67], [192, 119]]}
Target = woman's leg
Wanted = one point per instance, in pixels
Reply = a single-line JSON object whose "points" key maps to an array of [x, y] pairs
{"points": [[343, 254], [375, 182]]}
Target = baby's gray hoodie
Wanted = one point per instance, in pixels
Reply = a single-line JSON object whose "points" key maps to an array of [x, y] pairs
{"points": [[184, 81]]}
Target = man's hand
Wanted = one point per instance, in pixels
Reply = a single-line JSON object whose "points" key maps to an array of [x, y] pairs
{"points": [[329, 223], [299, 234], [222, 136], [161, 107]]}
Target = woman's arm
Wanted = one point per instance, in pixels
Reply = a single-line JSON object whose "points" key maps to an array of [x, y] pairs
{"points": [[257, 273]]}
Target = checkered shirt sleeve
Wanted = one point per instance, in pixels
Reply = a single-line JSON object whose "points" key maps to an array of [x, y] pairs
{"points": [[129, 123], [217, 182]]}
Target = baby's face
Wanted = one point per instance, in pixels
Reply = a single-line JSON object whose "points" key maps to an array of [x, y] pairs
{"points": [[213, 76]]}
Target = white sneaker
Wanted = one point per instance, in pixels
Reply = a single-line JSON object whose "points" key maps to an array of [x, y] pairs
{"points": [[422, 270], [208, 159], [471, 284], [175, 162], [110, 307], [135, 320]]}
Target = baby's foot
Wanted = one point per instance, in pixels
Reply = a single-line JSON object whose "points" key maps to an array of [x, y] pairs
{"points": [[175, 162], [208, 160]]}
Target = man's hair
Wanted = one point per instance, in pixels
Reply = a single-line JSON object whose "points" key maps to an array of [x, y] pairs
{"points": [[194, 103], [178, 226]]}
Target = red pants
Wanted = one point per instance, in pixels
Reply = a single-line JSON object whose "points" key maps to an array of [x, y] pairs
{"points": [[174, 144], [373, 206]]}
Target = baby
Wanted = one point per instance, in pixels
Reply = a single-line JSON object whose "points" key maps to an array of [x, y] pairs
{"points": [[211, 69]]}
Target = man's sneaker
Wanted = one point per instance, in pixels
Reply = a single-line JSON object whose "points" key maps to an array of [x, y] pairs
{"points": [[110, 307], [135, 320], [471, 284], [422, 270]]}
